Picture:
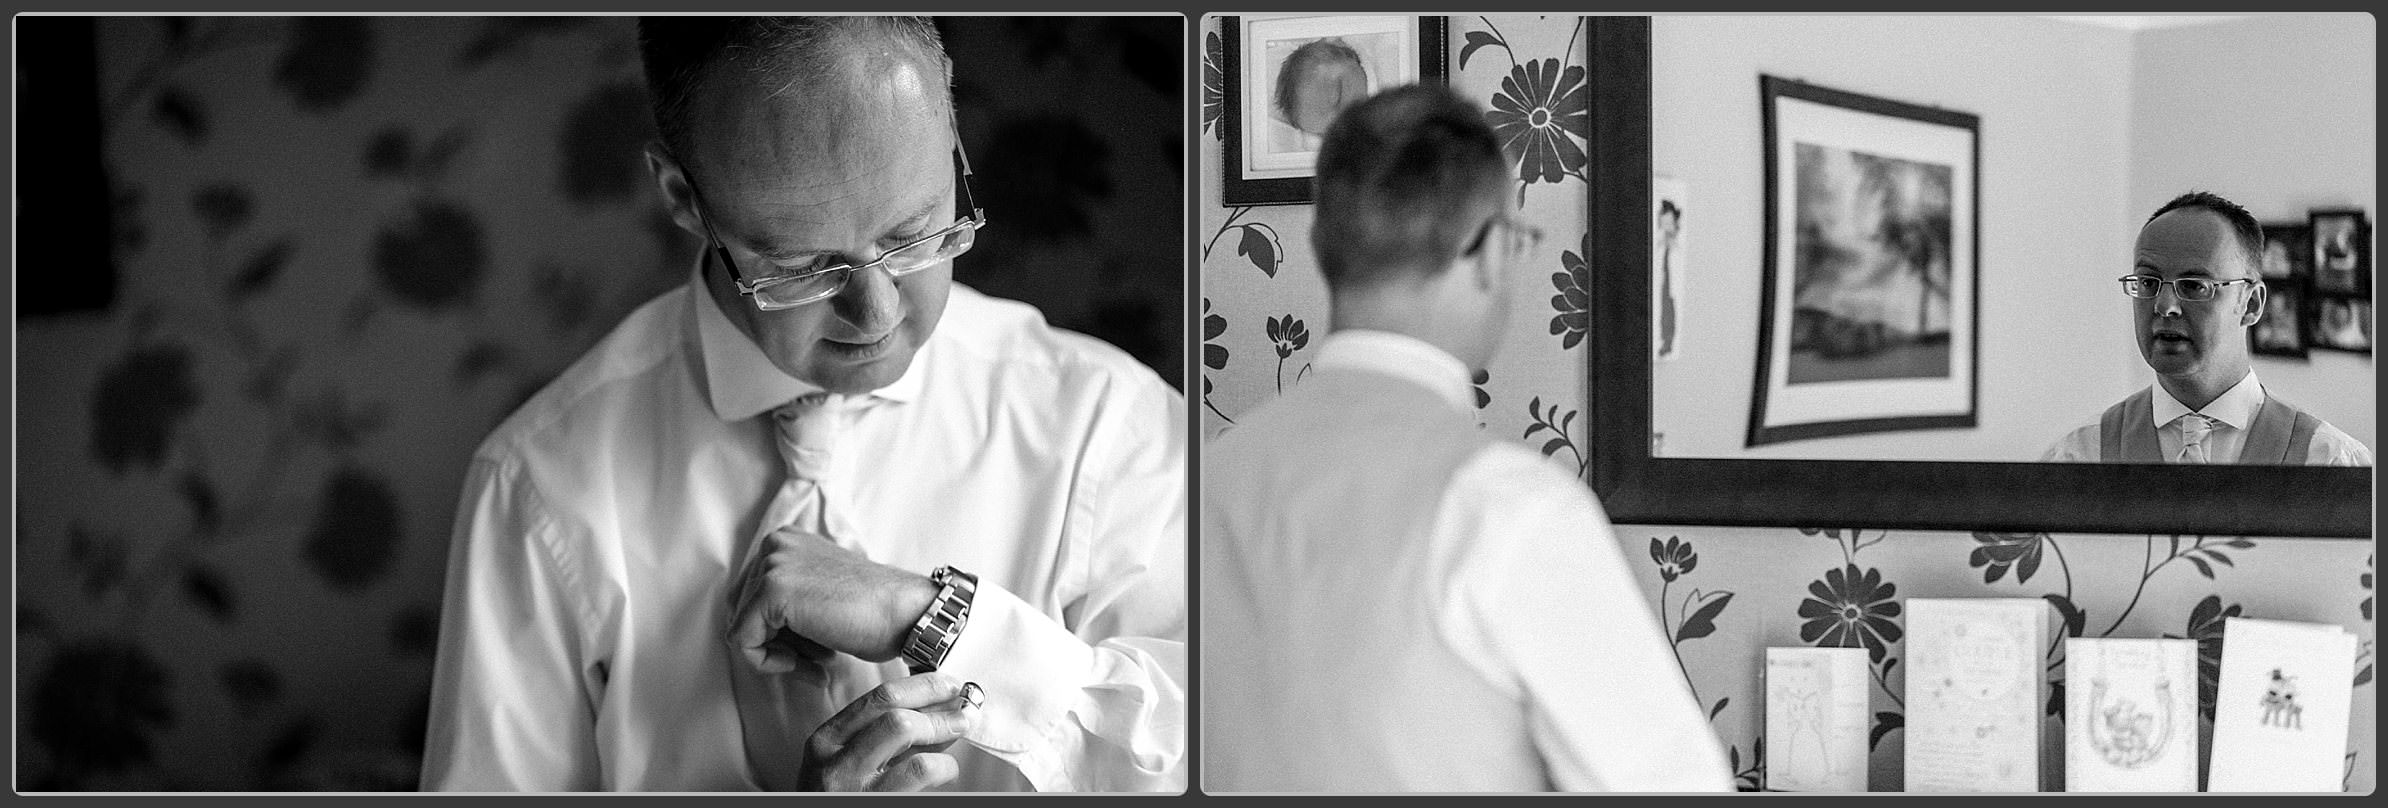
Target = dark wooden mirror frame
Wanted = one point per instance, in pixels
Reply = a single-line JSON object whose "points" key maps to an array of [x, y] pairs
{"points": [[1637, 488]]}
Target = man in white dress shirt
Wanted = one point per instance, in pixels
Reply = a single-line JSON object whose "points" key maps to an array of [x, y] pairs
{"points": [[820, 518], [1393, 601], [2195, 291]]}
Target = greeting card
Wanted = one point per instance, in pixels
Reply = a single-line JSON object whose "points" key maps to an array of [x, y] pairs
{"points": [[2130, 715], [1816, 719], [1976, 678], [2280, 707]]}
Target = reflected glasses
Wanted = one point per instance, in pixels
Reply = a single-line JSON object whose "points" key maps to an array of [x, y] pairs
{"points": [[2191, 289], [1522, 237], [796, 286]]}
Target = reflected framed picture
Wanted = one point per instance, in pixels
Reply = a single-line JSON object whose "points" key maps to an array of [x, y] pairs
{"points": [[1286, 77], [1869, 310], [2341, 252], [2342, 324], [2281, 332], [2288, 251]]}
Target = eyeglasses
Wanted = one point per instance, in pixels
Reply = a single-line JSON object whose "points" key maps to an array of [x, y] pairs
{"points": [[2191, 289], [821, 281], [1522, 237]]}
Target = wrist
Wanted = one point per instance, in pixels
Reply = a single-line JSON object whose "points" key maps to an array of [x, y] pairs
{"points": [[906, 604]]}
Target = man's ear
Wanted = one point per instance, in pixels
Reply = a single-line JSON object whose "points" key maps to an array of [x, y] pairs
{"points": [[2256, 298], [679, 198], [1483, 269]]}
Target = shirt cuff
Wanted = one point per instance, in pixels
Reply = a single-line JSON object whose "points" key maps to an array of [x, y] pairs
{"points": [[1031, 668]]}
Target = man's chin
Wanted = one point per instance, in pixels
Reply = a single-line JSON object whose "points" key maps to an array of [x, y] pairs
{"points": [[854, 375]]}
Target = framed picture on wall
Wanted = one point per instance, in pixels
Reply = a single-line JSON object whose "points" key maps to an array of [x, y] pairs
{"points": [[2282, 330], [2342, 323], [1287, 75], [2341, 253], [1869, 311], [2288, 251]]}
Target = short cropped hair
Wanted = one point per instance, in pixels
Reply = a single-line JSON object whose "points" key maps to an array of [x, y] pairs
{"points": [[1397, 177], [681, 54], [2243, 228]]}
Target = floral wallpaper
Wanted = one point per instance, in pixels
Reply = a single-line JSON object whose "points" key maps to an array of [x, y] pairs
{"points": [[347, 247], [1724, 594]]}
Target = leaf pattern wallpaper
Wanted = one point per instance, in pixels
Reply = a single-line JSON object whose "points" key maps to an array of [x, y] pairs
{"points": [[349, 246], [1724, 594]]}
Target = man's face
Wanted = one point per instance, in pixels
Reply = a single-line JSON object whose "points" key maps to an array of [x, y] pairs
{"points": [[1326, 86], [2190, 339], [842, 168]]}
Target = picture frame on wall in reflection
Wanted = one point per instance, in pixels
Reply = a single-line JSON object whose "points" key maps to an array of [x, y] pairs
{"points": [[1869, 309], [1285, 76], [2287, 251], [2341, 253], [2341, 324], [2282, 330]]}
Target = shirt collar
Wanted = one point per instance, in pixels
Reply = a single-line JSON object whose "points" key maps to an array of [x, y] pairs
{"points": [[2236, 406], [743, 383], [1400, 356]]}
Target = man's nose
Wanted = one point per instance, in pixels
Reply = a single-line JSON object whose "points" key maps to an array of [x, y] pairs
{"points": [[2168, 300], [870, 303]]}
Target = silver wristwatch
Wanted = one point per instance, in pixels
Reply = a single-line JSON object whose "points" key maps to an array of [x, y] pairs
{"points": [[934, 634]]}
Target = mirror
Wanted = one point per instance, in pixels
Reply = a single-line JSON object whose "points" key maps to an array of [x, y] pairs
{"points": [[1641, 486], [1899, 237]]}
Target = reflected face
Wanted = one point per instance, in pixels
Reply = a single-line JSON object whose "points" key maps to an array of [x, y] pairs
{"points": [[2191, 339], [1324, 78], [834, 170]]}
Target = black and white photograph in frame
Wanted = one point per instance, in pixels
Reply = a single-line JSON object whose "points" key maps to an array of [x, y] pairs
{"points": [[1670, 199], [2288, 251], [2282, 330], [2342, 324], [2341, 252], [1287, 75], [1868, 313]]}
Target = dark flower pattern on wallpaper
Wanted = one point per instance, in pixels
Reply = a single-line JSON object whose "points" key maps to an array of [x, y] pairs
{"points": [[434, 260], [1999, 552], [1674, 558], [356, 530], [2206, 621], [1214, 355], [327, 61], [1572, 302], [1214, 85], [222, 207], [1850, 608], [1539, 114], [1477, 381], [95, 706], [1289, 335], [139, 402]]}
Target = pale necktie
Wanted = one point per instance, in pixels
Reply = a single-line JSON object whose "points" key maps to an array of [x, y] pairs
{"points": [[776, 712], [2194, 430]]}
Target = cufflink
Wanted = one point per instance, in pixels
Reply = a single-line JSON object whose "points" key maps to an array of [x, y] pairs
{"points": [[974, 695]]}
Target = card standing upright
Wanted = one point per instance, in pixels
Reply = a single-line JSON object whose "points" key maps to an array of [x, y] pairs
{"points": [[1976, 680]]}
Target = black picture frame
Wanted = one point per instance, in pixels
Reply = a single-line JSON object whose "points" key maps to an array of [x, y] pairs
{"points": [[1237, 189], [2285, 327], [2341, 253], [1637, 488], [2288, 251], [1781, 408]]}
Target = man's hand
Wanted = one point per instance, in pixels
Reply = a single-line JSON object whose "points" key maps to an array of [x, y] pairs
{"points": [[892, 739], [827, 598]]}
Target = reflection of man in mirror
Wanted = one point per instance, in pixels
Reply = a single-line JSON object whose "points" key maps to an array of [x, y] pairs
{"points": [[2193, 296], [819, 518], [1317, 81], [1670, 227], [1395, 600]]}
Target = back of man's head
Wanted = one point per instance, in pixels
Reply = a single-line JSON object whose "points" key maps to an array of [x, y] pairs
{"points": [[1405, 179], [683, 55], [2243, 229]]}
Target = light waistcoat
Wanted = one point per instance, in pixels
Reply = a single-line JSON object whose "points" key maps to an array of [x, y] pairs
{"points": [[2280, 435], [1332, 682]]}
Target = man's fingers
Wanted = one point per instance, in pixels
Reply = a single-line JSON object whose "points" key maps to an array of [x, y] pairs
{"points": [[895, 732], [919, 772], [751, 632], [909, 693]]}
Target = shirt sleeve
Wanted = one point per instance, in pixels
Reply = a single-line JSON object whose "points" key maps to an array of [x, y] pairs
{"points": [[1548, 605], [1094, 698], [2077, 446], [510, 707]]}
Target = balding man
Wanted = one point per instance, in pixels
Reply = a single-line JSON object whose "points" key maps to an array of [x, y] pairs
{"points": [[820, 518], [1392, 600], [2194, 293]]}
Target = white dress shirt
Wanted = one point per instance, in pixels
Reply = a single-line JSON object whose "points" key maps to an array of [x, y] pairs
{"points": [[581, 642], [1547, 668], [2231, 413]]}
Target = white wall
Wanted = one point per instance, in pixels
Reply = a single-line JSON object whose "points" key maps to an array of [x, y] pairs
{"points": [[2048, 94], [2297, 98]]}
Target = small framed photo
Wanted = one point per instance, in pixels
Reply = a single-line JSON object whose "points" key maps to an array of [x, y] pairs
{"points": [[1287, 75], [2282, 330], [2288, 251], [2342, 324], [2341, 253]]}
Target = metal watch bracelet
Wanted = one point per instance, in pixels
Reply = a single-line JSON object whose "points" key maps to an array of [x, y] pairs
{"points": [[934, 634]]}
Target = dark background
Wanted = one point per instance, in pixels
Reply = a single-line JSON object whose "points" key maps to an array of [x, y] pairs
{"points": [[278, 276]]}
